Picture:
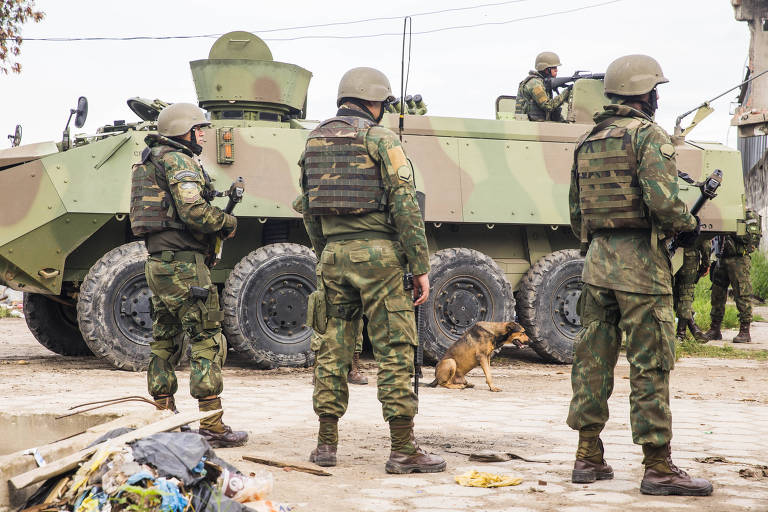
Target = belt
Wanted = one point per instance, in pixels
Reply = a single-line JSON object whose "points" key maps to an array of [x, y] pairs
{"points": [[185, 256], [362, 235], [628, 231]]}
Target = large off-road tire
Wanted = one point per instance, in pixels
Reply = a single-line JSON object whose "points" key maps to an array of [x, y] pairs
{"points": [[54, 324], [265, 305], [466, 286], [546, 304], [113, 308]]}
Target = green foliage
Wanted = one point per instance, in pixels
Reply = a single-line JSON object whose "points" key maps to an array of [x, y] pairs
{"points": [[702, 305], [691, 348], [13, 14], [759, 275], [5, 313], [137, 499]]}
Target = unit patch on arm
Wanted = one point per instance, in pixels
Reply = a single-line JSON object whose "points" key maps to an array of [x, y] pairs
{"points": [[399, 162], [189, 191], [186, 175], [667, 150]]}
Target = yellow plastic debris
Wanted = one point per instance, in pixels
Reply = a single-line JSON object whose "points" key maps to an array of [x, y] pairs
{"points": [[476, 478]]}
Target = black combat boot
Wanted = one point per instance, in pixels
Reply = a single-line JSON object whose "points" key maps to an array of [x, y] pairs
{"points": [[406, 456], [663, 478], [682, 324], [698, 334], [327, 441], [714, 331], [743, 336], [215, 431], [354, 376], [590, 464]]}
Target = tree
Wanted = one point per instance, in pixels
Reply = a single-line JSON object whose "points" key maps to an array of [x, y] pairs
{"points": [[13, 14]]}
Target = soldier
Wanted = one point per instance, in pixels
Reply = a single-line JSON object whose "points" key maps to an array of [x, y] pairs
{"points": [[623, 201], [170, 211], [732, 267], [362, 218], [534, 95], [695, 265]]}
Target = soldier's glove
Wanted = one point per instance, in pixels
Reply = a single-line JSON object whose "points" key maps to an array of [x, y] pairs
{"points": [[687, 239]]}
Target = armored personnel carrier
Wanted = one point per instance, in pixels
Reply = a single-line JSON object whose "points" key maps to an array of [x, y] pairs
{"points": [[496, 217]]}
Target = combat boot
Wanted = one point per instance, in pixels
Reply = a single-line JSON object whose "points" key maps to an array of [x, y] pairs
{"points": [[215, 431], [681, 326], [354, 376], [714, 331], [743, 336], [169, 403], [698, 334], [327, 441], [406, 456], [590, 464], [663, 478]]}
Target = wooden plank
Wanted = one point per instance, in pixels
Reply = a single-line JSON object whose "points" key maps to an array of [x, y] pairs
{"points": [[60, 466], [295, 467]]}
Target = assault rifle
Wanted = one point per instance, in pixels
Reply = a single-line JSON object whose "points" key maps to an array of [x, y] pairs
{"points": [[558, 82], [708, 191], [418, 358], [235, 194]]}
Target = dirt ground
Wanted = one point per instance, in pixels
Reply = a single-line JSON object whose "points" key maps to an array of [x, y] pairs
{"points": [[719, 410]]}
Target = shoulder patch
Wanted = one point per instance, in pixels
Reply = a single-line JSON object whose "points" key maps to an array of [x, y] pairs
{"points": [[667, 150], [397, 159], [189, 192], [186, 176]]}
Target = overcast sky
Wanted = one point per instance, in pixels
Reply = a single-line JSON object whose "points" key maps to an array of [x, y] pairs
{"points": [[700, 46]]}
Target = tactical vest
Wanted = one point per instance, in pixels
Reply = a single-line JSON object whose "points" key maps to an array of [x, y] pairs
{"points": [[340, 177], [609, 190], [525, 104], [152, 207]]}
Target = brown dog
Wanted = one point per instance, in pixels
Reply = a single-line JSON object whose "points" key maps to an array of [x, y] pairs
{"points": [[475, 347]]}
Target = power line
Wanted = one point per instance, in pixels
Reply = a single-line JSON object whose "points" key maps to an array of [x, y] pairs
{"points": [[361, 36]]}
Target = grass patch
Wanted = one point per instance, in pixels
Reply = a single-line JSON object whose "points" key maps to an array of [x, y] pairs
{"points": [[759, 275], [690, 348], [702, 305], [5, 313]]}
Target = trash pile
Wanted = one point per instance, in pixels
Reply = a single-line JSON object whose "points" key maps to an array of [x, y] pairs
{"points": [[164, 472]]}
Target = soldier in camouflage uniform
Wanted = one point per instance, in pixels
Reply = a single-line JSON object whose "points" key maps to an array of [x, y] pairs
{"points": [[623, 201], [732, 267], [362, 218], [695, 265], [534, 95], [170, 211]]}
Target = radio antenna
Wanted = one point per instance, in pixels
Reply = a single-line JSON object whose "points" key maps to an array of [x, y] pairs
{"points": [[405, 72]]}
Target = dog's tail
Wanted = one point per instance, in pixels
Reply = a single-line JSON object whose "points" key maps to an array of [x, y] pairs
{"points": [[433, 384]]}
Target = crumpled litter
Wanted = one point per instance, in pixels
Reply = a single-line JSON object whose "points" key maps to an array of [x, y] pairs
{"points": [[476, 478], [173, 500]]}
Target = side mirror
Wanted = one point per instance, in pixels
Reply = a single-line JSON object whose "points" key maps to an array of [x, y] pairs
{"points": [[82, 111], [16, 137]]}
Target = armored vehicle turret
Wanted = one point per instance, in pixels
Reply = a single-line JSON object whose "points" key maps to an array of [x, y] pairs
{"points": [[496, 218]]}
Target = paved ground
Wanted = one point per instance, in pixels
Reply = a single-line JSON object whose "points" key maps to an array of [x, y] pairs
{"points": [[719, 409]]}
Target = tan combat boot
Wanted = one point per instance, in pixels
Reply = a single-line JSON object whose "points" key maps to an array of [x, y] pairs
{"points": [[168, 402], [743, 336], [590, 464], [663, 478], [354, 376], [714, 331], [327, 441], [215, 431], [406, 456]]}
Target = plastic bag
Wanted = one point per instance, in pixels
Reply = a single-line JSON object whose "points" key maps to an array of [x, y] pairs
{"points": [[243, 488]]}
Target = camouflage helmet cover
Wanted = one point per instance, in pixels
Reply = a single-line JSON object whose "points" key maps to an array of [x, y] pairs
{"points": [[633, 75], [179, 118], [546, 60], [364, 83]]}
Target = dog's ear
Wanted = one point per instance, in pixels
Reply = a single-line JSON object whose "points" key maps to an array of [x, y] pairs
{"points": [[513, 327]]}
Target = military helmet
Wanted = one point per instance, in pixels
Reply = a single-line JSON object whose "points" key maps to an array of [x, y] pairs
{"points": [[633, 75], [365, 84], [546, 60], [179, 118]]}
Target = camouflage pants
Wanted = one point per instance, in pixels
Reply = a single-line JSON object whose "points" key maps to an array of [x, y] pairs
{"points": [[359, 277], [174, 314], [685, 284], [648, 323], [736, 273]]}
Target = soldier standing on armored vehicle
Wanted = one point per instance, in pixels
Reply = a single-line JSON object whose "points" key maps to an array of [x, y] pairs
{"points": [[534, 95], [695, 265], [365, 226], [732, 267], [170, 208], [623, 199]]}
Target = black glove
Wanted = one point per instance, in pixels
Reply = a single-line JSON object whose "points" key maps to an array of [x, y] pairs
{"points": [[687, 239]]}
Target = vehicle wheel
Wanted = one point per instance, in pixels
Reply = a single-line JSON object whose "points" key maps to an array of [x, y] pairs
{"points": [[265, 305], [54, 325], [546, 303], [466, 287], [113, 308]]}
